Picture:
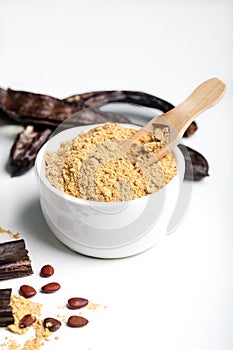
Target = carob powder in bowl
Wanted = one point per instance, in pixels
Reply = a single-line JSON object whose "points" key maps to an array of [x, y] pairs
{"points": [[91, 166]]}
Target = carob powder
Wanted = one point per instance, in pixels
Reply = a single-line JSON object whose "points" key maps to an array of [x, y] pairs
{"points": [[92, 166]]}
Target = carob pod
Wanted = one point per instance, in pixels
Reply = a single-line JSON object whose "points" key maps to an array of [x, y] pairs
{"points": [[6, 316], [43, 110], [14, 260], [191, 129], [25, 148], [196, 166], [31, 108], [29, 141], [99, 98]]}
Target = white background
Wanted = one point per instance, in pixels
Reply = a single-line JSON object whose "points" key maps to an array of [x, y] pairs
{"points": [[179, 294]]}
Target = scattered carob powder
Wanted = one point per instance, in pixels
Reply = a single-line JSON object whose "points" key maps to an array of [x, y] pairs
{"points": [[27, 317], [42, 332], [10, 233], [22, 307], [92, 166]]}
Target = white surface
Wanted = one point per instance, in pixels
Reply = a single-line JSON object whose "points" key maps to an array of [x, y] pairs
{"points": [[178, 295]]}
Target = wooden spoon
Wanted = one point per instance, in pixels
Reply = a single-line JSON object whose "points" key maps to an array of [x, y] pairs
{"points": [[179, 118]]}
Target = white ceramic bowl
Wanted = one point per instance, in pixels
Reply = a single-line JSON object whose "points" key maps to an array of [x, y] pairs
{"points": [[103, 229]]}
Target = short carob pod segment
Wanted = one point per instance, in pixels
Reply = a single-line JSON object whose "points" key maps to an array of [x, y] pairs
{"points": [[6, 316], [14, 260]]}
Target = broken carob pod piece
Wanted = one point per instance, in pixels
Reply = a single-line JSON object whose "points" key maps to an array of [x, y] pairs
{"points": [[196, 166], [25, 148], [14, 260], [6, 316]]}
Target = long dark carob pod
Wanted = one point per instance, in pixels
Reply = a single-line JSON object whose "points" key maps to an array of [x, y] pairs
{"points": [[45, 111], [99, 98], [37, 109], [49, 112]]}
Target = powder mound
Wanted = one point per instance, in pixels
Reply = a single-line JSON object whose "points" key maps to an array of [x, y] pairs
{"points": [[92, 167], [21, 307]]}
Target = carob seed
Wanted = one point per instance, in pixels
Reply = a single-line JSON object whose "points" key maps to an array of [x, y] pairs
{"points": [[77, 303], [27, 291], [46, 271], [50, 287], [52, 324], [27, 321], [77, 321]]}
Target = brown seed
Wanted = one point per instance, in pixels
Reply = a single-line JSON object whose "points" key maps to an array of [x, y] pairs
{"points": [[77, 321], [27, 291], [77, 303], [52, 324], [46, 271], [50, 287], [27, 321]]}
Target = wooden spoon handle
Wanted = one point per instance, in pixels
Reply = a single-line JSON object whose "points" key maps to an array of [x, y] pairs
{"points": [[205, 96], [179, 118], [202, 98]]}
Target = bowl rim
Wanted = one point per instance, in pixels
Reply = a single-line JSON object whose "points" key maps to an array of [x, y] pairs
{"points": [[75, 200]]}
